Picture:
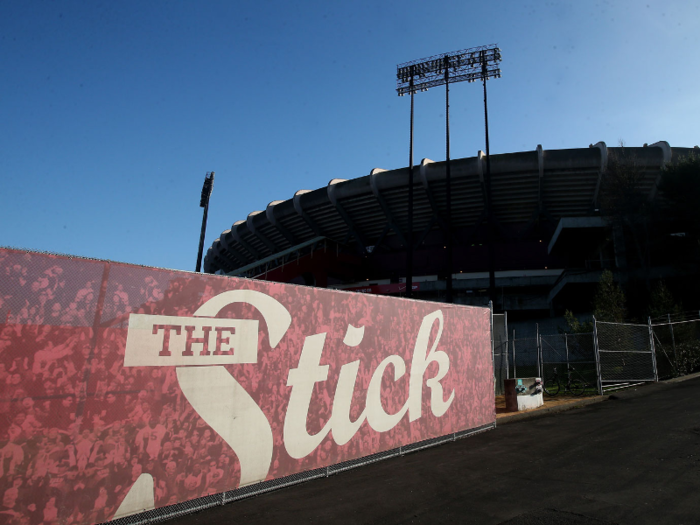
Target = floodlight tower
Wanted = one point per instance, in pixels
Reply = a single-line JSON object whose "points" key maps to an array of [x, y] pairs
{"points": [[204, 203], [476, 63], [409, 76]]}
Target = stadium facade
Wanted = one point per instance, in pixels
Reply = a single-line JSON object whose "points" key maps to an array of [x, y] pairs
{"points": [[550, 241]]}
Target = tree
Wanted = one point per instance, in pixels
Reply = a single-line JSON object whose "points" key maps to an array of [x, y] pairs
{"points": [[574, 326], [608, 305], [662, 303], [679, 343], [609, 301]]}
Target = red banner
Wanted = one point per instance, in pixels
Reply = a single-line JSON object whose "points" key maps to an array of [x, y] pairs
{"points": [[125, 388]]}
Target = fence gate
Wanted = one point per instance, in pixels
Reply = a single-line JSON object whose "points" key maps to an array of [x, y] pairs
{"points": [[625, 354], [677, 347]]}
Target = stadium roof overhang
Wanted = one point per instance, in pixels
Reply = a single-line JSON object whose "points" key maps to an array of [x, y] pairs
{"points": [[369, 214]]}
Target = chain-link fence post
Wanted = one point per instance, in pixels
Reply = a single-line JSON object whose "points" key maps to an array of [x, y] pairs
{"points": [[539, 351], [493, 362], [653, 351], [515, 372], [673, 342], [504, 345], [597, 356]]}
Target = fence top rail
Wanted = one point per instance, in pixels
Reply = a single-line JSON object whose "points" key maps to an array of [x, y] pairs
{"points": [[567, 334], [626, 351], [676, 322], [625, 324], [625, 381], [546, 336]]}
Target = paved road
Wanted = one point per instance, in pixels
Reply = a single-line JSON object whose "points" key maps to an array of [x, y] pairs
{"points": [[632, 459]]}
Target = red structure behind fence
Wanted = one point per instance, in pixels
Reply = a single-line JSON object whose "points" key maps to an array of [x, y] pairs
{"points": [[125, 388]]}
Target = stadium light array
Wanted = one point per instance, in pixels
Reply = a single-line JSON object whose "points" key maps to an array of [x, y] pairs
{"points": [[470, 65]]}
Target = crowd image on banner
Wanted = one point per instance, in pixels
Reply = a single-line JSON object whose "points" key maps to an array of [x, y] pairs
{"points": [[73, 444], [78, 428]]}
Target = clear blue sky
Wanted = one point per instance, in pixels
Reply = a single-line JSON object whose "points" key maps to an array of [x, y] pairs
{"points": [[112, 112]]}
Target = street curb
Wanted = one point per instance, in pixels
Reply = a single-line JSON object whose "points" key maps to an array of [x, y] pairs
{"points": [[681, 378], [531, 414]]}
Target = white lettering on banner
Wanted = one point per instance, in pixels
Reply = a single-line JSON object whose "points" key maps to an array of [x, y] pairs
{"points": [[155, 340], [376, 417], [419, 364], [163, 340], [231, 412], [299, 443], [140, 497]]}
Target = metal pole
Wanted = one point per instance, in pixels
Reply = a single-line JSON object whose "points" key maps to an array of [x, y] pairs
{"points": [[597, 356], [204, 203], [201, 238], [566, 345], [515, 371], [489, 208], [539, 348], [673, 341], [448, 183], [653, 351], [409, 234]]}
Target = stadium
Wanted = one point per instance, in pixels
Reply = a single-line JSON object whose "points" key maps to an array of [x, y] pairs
{"points": [[550, 242]]}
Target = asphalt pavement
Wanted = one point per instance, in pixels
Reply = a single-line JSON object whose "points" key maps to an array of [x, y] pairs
{"points": [[631, 459]]}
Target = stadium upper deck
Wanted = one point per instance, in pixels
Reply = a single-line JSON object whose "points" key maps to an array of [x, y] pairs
{"points": [[545, 205]]}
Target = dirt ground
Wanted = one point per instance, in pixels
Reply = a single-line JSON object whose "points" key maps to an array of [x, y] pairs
{"points": [[549, 402]]}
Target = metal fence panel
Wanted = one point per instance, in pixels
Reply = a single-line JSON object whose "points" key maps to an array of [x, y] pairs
{"points": [[665, 345], [574, 353], [525, 353], [677, 347], [500, 351], [613, 353], [625, 353]]}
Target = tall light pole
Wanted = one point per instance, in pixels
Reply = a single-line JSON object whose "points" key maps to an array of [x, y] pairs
{"points": [[409, 234], [204, 203], [448, 183], [484, 59], [476, 63]]}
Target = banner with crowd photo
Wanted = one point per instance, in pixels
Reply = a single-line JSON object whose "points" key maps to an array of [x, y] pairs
{"points": [[125, 388]]}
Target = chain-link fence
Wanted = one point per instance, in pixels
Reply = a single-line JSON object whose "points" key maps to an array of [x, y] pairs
{"points": [[677, 347], [613, 355], [625, 353], [500, 351], [525, 360], [570, 353], [665, 346]]}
